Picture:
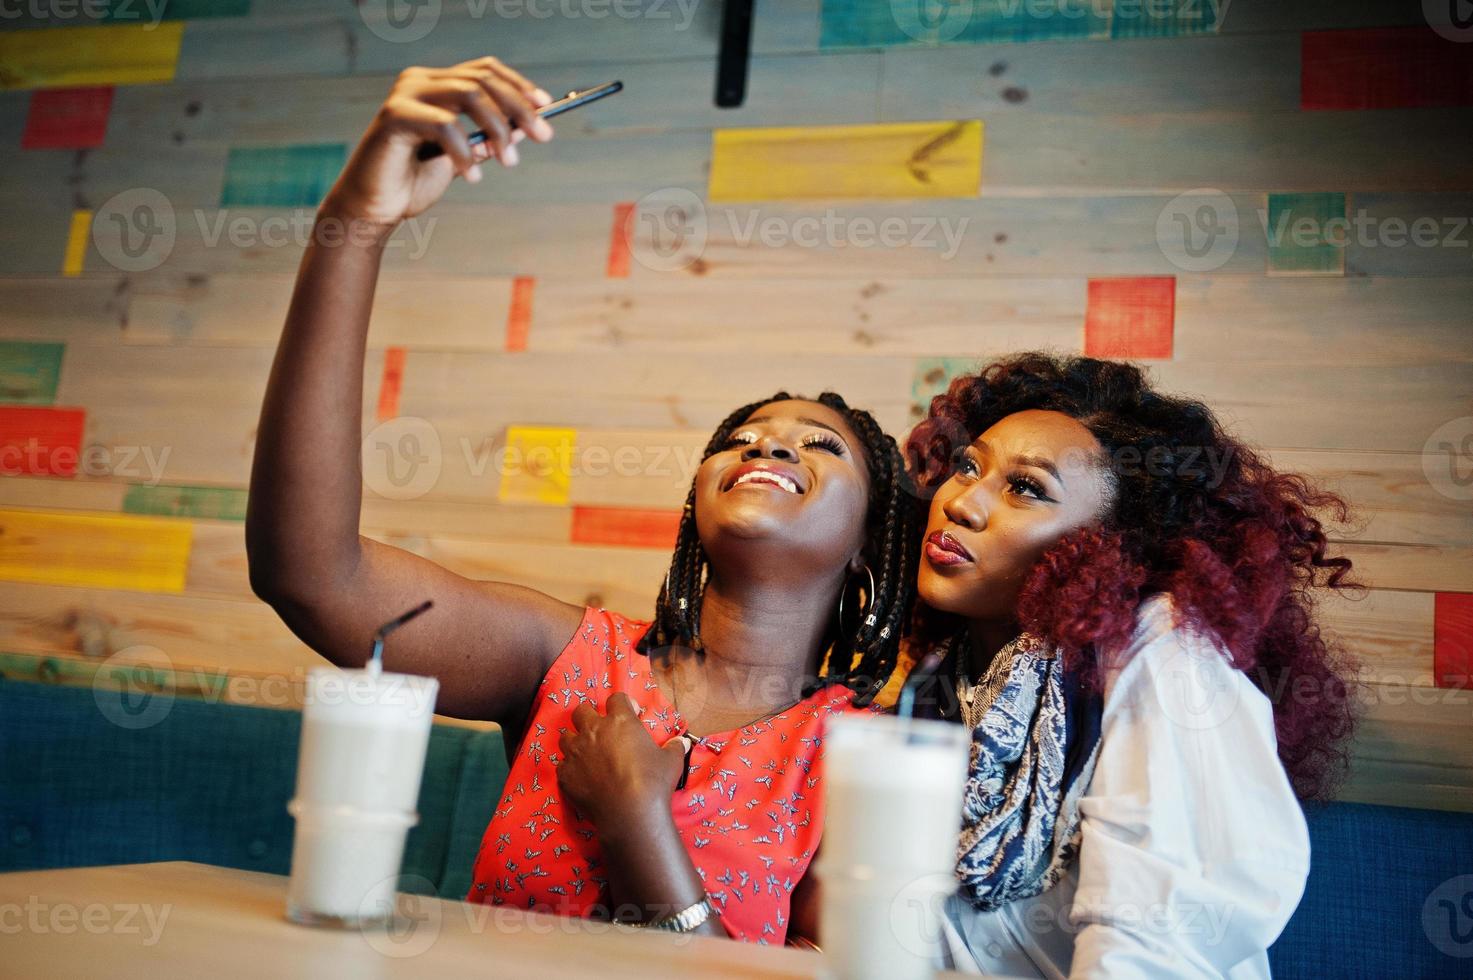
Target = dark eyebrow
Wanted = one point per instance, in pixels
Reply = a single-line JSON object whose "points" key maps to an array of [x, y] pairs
{"points": [[805, 421], [1036, 461]]}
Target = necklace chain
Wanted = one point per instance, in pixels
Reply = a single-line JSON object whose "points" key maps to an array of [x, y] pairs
{"points": [[701, 739]]}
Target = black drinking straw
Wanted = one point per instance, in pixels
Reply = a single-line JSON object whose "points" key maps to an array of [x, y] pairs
{"points": [[377, 658], [922, 673]]}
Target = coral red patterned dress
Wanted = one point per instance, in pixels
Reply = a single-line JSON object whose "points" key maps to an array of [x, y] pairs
{"points": [[750, 815]]}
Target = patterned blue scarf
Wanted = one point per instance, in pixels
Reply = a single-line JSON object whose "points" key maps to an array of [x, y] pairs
{"points": [[1034, 743]]}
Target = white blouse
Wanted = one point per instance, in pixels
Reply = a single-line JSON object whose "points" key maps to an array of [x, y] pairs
{"points": [[1194, 850]]}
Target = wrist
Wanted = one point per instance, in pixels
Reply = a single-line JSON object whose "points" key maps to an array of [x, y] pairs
{"points": [[339, 222]]}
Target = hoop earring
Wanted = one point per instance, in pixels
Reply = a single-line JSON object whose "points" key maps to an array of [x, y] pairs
{"points": [[870, 599]]}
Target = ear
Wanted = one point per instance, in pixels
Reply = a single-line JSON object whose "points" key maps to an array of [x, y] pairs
{"points": [[857, 563]]}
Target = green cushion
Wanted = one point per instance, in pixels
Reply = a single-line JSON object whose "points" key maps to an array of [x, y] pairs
{"points": [[203, 782]]}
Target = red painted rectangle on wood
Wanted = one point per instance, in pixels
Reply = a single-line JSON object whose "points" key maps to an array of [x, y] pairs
{"points": [[392, 383], [1383, 68], [1130, 317], [40, 441], [67, 118], [625, 526], [618, 267], [519, 313], [1452, 639]]}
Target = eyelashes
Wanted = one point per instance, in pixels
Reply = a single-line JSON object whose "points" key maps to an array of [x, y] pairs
{"points": [[1019, 481], [829, 443], [1028, 483], [825, 442]]}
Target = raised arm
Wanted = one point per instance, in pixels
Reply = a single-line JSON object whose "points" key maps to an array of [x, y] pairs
{"points": [[488, 643]]}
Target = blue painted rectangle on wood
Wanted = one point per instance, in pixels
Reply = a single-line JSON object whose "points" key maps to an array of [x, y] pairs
{"points": [[1166, 18], [148, 11], [885, 23]]}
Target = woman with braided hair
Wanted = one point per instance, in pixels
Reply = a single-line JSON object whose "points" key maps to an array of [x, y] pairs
{"points": [[664, 771], [1122, 594]]}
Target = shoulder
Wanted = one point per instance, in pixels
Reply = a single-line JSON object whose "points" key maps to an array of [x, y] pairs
{"points": [[1179, 668], [1188, 742], [605, 628], [602, 639]]}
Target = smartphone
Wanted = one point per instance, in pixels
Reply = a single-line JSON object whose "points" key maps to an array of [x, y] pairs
{"points": [[428, 151]]}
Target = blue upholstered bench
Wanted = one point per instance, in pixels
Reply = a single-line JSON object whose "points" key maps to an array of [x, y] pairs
{"points": [[209, 783], [1383, 898]]}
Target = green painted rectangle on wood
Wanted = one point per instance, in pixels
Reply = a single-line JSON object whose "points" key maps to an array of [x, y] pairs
{"points": [[1306, 234], [209, 503], [281, 176], [147, 11], [29, 372], [885, 23]]}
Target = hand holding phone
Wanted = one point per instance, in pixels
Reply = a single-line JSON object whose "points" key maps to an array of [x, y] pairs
{"points": [[428, 151]]}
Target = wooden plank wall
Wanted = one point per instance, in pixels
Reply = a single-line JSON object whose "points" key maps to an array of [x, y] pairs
{"points": [[521, 304]]}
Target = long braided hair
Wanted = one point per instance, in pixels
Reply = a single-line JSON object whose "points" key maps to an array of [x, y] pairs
{"points": [[860, 655]]}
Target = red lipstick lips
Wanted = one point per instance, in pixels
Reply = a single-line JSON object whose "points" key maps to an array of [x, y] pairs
{"points": [[943, 549]]}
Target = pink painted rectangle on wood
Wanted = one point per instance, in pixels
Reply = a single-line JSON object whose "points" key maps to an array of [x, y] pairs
{"points": [[625, 526], [1130, 317], [40, 441], [67, 118], [1452, 639], [1383, 68]]}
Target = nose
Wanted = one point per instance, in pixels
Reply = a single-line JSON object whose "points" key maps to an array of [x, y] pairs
{"points": [[967, 509], [770, 447]]}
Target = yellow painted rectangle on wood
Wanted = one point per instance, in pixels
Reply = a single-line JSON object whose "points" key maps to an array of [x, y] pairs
{"points": [[95, 550], [76, 243], [537, 467], [884, 160], [63, 57]]}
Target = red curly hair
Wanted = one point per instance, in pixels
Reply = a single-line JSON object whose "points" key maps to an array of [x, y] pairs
{"points": [[1195, 514]]}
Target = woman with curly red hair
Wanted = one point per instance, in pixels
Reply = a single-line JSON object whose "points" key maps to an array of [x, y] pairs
{"points": [[1121, 597]]}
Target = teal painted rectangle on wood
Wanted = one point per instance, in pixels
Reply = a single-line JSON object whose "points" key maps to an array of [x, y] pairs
{"points": [[1306, 234], [1166, 18], [932, 376], [886, 23], [148, 11], [281, 176], [29, 372], [168, 500]]}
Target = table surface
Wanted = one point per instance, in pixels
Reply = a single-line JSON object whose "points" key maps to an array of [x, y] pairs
{"points": [[178, 918]]}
